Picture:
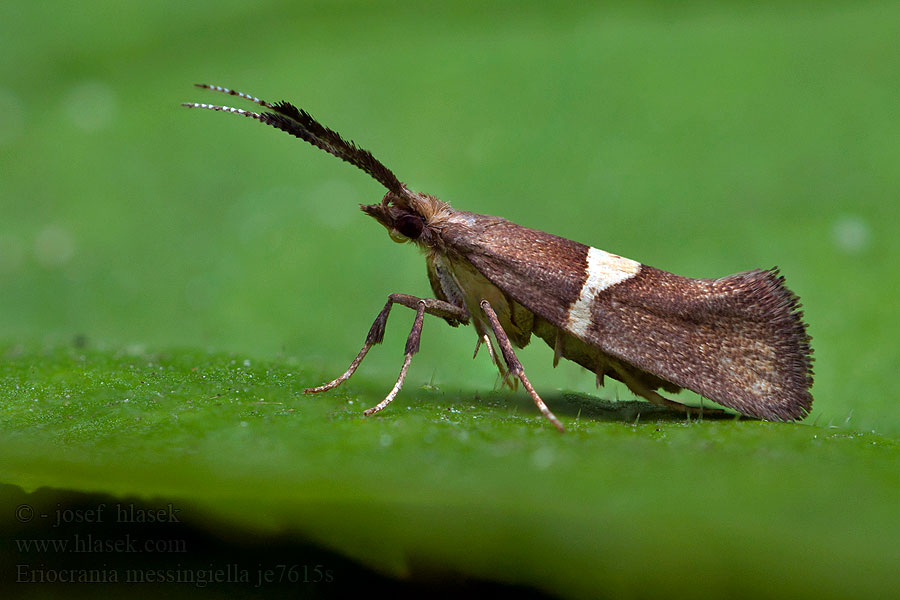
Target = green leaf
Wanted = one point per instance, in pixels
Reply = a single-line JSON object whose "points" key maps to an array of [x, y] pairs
{"points": [[446, 483]]}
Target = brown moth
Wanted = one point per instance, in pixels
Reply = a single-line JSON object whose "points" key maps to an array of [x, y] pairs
{"points": [[739, 340]]}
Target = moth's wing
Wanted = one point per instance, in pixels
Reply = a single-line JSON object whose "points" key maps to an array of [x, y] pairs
{"points": [[543, 272], [739, 340]]}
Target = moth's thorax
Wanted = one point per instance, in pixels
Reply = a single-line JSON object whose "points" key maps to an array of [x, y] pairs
{"points": [[462, 284]]}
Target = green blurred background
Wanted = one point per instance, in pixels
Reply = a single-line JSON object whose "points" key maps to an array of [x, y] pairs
{"points": [[703, 139]]}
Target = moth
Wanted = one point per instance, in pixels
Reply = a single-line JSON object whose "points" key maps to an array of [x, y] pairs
{"points": [[739, 340]]}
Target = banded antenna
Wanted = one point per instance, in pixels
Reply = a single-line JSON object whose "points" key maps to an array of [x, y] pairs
{"points": [[299, 123]]}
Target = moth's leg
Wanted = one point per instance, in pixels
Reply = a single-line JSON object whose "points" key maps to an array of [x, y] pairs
{"points": [[412, 346], [433, 306], [654, 398], [514, 365], [484, 338], [557, 348]]}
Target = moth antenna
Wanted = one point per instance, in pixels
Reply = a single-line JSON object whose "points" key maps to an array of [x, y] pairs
{"points": [[224, 90], [300, 124]]}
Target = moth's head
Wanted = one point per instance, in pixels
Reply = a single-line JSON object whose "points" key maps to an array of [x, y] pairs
{"points": [[410, 217]]}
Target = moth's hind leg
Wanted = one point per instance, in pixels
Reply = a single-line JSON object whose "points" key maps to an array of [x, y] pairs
{"points": [[637, 386], [431, 306]]}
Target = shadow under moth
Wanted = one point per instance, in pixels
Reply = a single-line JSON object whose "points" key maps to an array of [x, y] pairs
{"points": [[739, 340]]}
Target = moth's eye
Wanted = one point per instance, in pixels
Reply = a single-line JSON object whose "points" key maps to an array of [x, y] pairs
{"points": [[410, 226]]}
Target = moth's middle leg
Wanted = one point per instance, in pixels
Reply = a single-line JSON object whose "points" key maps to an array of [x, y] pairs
{"points": [[515, 367]]}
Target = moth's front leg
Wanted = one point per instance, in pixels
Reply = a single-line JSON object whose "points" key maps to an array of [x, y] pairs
{"points": [[431, 306], [514, 365]]}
